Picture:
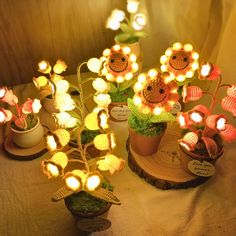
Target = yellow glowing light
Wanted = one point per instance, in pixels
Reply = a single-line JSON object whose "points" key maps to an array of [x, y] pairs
{"points": [[106, 52], [104, 141], [104, 71], [163, 68], [168, 52], [94, 65], [110, 77], [174, 90], [91, 121], [188, 47], [163, 59], [2, 117], [126, 50], [196, 117], [129, 76], [103, 120], [195, 66], [168, 79], [59, 67], [152, 73], [138, 87], [132, 6], [220, 124], [116, 48], [184, 145], [177, 46], [36, 106], [51, 143], [52, 169], [113, 23], [2, 92], [100, 85], [40, 81], [137, 100], [134, 67], [142, 78], [73, 183], [189, 74], [140, 19], [157, 110], [133, 57], [63, 136], [118, 15], [120, 79], [205, 69], [44, 67], [64, 119], [62, 86], [102, 100], [195, 56], [181, 120], [93, 182], [180, 78]]}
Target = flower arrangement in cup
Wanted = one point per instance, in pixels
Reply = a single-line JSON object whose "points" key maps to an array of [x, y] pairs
{"points": [[86, 177], [151, 107], [118, 65], [52, 85], [131, 27], [204, 130], [25, 115]]}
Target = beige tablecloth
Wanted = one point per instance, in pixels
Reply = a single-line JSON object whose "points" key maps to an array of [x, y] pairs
{"points": [[26, 208]]}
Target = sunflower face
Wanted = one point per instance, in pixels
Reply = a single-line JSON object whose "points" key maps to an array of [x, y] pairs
{"points": [[180, 61], [155, 92], [119, 64]]}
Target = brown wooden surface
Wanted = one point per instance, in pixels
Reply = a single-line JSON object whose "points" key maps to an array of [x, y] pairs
{"points": [[163, 168], [32, 30]]}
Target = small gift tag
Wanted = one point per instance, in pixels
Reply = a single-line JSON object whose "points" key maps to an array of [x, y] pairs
{"points": [[176, 108], [93, 224], [201, 168], [120, 113]]}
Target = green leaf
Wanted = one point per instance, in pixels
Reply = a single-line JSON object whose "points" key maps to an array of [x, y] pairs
{"points": [[113, 88], [163, 117], [125, 28], [140, 34]]}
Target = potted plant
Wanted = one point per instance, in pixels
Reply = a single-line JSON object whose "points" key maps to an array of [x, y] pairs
{"points": [[25, 126], [181, 62], [52, 86], [205, 130], [118, 65], [155, 96], [84, 183], [131, 27]]}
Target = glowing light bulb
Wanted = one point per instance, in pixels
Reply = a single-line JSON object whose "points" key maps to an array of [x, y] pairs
{"points": [[152, 73], [132, 6], [195, 56], [163, 68], [2, 117], [44, 67], [126, 50], [205, 70], [113, 24], [51, 143], [138, 87], [94, 65], [133, 57], [117, 47], [93, 182], [73, 183], [52, 169], [157, 110], [59, 67], [134, 67], [40, 81], [100, 85], [106, 52], [177, 46], [129, 76], [220, 123], [195, 66], [142, 78], [163, 59], [180, 78], [168, 52], [189, 74], [137, 100], [120, 79], [136, 26], [196, 117], [188, 47], [2, 92]]}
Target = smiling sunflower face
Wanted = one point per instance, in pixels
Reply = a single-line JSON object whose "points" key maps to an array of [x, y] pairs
{"points": [[119, 64], [155, 92], [180, 61]]}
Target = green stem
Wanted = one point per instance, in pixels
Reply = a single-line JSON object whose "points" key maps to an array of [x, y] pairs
{"points": [[213, 102]]}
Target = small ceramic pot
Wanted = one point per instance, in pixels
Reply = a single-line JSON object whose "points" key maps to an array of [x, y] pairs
{"points": [[144, 145], [48, 105], [186, 156], [118, 111], [28, 138]]}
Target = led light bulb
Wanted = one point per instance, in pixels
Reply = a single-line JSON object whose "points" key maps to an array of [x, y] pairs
{"points": [[94, 65]]}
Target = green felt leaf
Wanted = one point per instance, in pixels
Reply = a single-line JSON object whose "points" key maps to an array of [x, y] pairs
{"points": [[140, 34], [163, 117], [125, 28], [113, 88], [122, 38]]}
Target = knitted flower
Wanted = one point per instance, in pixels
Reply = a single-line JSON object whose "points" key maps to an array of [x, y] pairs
{"points": [[208, 71], [180, 61], [8, 96], [229, 104], [155, 92], [119, 64], [31, 106], [191, 93], [231, 91]]}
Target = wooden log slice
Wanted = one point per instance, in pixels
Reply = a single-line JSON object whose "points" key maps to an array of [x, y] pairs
{"points": [[23, 154], [163, 169]]}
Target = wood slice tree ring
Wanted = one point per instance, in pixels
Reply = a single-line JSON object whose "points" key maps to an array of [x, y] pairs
{"points": [[163, 169], [23, 154]]}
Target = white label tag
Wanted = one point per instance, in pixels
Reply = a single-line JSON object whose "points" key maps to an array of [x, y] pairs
{"points": [[176, 108], [120, 112], [204, 168]]}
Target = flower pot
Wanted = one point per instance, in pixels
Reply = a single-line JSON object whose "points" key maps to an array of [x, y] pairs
{"points": [[89, 221], [28, 138], [144, 145], [118, 111], [187, 158], [49, 106]]}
